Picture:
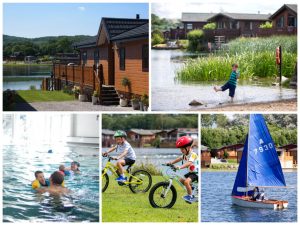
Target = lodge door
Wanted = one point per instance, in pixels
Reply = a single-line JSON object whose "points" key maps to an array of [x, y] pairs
{"points": [[111, 75]]}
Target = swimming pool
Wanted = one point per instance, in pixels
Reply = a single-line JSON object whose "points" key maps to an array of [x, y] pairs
{"points": [[21, 203]]}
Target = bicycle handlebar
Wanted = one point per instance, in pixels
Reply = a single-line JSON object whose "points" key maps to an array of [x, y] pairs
{"points": [[170, 165]]}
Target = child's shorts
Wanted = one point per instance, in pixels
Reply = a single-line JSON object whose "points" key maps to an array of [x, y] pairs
{"points": [[193, 176], [230, 87], [129, 162]]}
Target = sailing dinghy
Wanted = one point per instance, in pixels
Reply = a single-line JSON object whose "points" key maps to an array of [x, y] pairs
{"points": [[259, 167]]}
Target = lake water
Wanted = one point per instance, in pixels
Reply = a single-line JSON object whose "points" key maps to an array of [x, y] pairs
{"points": [[155, 156], [169, 94], [21, 203], [216, 203], [21, 77]]}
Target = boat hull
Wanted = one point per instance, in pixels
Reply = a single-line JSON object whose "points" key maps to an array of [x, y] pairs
{"points": [[265, 204]]}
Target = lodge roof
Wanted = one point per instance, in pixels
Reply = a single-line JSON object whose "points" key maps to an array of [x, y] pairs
{"points": [[107, 132], [145, 132], [137, 32], [116, 26], [205, 17], [292, 7], [243, 16], [118, 29], [196, 17]]}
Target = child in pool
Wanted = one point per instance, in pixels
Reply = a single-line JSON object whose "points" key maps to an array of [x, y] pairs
{"points": [[231, 83], [73, 169], [56, 185], [39, 181], [63, 171]]}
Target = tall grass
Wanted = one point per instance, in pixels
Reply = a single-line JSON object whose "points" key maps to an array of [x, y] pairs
{"points": [[240, 45], [255, 56]]}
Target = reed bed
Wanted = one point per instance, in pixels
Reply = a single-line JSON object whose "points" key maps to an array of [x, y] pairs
{"points": [[255, 56]]}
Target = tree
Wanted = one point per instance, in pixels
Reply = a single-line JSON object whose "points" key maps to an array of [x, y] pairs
{"points": [[266, 25], [210, 26]]}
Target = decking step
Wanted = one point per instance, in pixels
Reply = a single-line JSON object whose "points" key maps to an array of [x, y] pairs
{"points": [[109, 96]]}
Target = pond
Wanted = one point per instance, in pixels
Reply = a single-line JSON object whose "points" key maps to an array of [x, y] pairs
{"points": [[216, 203], [22, 77], [169, 94], [21, 203]]}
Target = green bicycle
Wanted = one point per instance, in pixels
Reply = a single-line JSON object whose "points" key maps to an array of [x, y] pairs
{"points": [[139, 181]]}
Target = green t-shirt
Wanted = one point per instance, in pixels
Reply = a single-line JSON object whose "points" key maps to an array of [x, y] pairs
{"points": [[233, 78]]}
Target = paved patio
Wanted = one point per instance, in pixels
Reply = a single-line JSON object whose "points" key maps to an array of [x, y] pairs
{"points": [[68, 106]]}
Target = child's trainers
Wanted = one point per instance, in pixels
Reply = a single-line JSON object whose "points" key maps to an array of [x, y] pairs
{"points": [[121, 179], [189, 199]]}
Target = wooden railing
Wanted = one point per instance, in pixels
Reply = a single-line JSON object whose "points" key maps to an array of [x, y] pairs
{"points": [[84, 76]]}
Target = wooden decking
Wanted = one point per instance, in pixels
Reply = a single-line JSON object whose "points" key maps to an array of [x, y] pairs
{"points": [[83, 76]]}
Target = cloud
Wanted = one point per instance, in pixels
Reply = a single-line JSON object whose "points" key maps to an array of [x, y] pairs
{"points": [[81, 8]]}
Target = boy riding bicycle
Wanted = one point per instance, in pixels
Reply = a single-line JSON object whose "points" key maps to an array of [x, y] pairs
{"points": [[189, 160], [127, 155]]}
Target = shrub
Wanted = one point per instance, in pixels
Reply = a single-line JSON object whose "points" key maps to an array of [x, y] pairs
{"points": [[195, 38], [209, 26], [32, 87], [266, 25], [152, 169], [157, 39]]}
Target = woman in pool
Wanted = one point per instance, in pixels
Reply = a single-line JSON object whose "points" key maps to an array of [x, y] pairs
{"points": [[74, 168]]}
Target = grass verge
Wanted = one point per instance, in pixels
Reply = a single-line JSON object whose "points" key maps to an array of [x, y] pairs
{"points": [[119, 204], [41, 96]]}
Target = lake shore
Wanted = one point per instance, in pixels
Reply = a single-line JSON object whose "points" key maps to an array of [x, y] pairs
{"points": [[280, 105]]}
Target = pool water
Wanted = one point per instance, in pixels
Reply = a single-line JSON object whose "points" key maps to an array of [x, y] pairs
{"points": [[21, 203]]}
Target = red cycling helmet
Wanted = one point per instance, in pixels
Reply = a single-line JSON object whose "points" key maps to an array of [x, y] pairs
{"points": [[184, 142]]}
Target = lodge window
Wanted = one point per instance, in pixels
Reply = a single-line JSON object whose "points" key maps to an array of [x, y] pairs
{"points": [[84, 58], [145, 57], [122, 58], [233, 25], [280, 22], [292, 21], [221, 25], [189, 26]]}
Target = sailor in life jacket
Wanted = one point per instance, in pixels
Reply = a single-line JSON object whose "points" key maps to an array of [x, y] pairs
{"points": [[258, 195]]}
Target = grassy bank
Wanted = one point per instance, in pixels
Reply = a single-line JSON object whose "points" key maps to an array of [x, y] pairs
{"points": [[119, 204], [18, 79], [41, 96], [27, 64], [255, 56]]}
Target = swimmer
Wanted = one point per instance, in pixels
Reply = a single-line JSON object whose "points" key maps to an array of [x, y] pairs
{"points": [[39, 181], [74, 167], [56, 182], [61, 169]]}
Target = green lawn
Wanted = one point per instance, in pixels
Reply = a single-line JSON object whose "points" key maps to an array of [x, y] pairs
{"points": [[42, 96], [119, 204]]}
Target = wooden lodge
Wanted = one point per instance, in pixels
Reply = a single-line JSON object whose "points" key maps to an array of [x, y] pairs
{"points": [[119, 50], [233, 25]]}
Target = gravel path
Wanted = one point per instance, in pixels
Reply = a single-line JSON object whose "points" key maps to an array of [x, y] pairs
{"points": [[68, 106]]}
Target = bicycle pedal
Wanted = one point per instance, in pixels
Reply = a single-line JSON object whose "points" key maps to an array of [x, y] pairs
{"points": [[121, 183]]}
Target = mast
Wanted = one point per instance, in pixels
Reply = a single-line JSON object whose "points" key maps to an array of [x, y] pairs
{"points": [[247, 156]]}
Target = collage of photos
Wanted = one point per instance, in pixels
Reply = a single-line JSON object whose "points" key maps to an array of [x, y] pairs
{"points": [[149, 112]]}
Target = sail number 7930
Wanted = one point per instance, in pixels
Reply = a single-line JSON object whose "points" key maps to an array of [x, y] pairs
{"points": [[263, 148]]}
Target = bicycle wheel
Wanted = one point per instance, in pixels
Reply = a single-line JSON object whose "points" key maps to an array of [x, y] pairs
{"points": [[140, 175], [157, 196], [105, 182]]}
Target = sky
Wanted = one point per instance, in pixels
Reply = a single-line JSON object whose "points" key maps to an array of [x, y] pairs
{"points": [[53, 19], [173, 9]]}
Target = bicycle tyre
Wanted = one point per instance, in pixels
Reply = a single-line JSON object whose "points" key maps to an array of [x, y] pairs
{"points": [[105, 181], [134, 187], [154, 203]]}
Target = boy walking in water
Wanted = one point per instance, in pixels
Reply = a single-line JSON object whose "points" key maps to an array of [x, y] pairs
{"points": [[231, 83], [127, 155]]}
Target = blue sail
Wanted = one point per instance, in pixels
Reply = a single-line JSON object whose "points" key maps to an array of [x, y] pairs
{"points": [[264, 168], [259, 165], [241, 176]]}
